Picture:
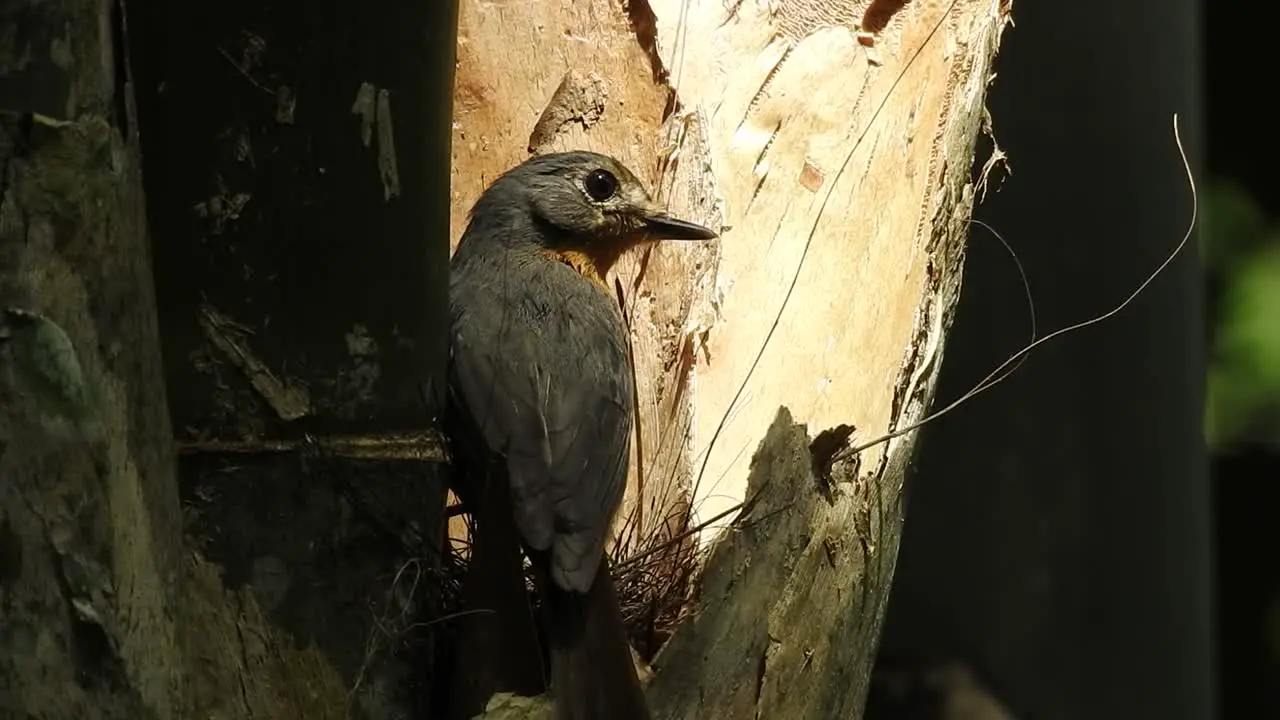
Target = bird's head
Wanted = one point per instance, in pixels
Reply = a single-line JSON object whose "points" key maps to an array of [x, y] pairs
{"points": [[583, 208]]}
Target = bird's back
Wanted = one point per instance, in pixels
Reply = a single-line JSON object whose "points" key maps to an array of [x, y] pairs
{"points": [[540, 374], [540, 367]]}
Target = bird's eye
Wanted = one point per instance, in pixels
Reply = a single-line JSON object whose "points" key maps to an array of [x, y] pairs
{"points": [[600, 185]]}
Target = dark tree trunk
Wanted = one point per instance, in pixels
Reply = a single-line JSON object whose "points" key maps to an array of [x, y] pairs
{"points": [[291, 321], [297, 159], [1058, 536], [89, 529]]}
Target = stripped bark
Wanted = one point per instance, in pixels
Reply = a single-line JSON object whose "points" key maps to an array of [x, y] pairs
{"points": [[834, 143]]}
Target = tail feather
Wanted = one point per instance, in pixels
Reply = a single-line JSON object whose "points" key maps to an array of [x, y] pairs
{"points": [[498, 647], [593, 676]]}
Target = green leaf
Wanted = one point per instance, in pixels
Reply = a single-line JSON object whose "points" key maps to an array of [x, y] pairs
{"points": [[46, 367], [1244, 373]]}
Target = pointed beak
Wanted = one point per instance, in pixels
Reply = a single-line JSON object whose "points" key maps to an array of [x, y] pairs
{"points": [[661, 226]]}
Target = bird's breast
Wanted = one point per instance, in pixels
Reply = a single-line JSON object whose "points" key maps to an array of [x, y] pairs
{"points": [[539, 303], [590, 266]]}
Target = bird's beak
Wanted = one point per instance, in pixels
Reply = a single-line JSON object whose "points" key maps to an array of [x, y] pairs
{"points": [[660, 226]]}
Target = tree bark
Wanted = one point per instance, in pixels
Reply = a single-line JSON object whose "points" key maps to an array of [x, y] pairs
{"points": [[833, 144], [89, 532], [108, 613]]}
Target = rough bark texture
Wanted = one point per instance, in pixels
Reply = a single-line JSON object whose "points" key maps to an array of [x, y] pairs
{"points": [[833, 143], [842, 156], [839, 171], [89, 531], [790, 603], [103, 615]]}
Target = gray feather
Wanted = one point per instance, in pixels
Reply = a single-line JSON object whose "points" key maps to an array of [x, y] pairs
{"points": [[541, 366]]}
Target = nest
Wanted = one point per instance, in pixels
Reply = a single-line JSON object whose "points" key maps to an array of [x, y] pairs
{"points": [[654, 573]]}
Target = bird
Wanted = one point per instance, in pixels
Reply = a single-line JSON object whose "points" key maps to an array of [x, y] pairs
{"points": [[540, 396]]}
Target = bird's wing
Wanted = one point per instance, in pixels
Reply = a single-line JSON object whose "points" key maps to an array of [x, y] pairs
{"points": [[589, 429], [560, 412]]}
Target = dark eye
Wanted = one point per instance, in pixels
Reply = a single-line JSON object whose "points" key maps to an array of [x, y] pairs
{"points": [[601, 185]]}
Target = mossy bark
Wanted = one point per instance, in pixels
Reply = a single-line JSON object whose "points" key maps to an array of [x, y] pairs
{"points": [[102, 613], [89, 519]]}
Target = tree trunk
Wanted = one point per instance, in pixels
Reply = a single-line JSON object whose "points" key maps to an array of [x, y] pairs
{"points": [[110, 620], [107, 612], [89, 532], [297, 166], [833, 143]]}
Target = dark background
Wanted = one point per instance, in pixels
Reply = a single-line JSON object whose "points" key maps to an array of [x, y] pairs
{"points": [[1241, 146], [1069, 535], [1241, 130]]}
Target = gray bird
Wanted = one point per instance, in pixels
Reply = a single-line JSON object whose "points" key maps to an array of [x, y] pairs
{"points": [[540, 415]]}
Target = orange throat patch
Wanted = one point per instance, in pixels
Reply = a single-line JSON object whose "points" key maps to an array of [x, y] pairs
{"points": [[592, 266]]}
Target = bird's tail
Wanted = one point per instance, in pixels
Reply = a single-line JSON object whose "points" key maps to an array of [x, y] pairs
{"points": [[592, 674], [498, 647]]}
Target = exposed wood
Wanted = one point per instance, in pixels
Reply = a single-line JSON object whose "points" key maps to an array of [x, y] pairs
{"points": [[841, 167], [547, 76], [834, 143], [790, 603], [849, 175]]}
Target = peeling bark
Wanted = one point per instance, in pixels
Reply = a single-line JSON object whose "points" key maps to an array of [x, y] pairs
{"points": [[790, 602], [847, 208], [833, 143]]}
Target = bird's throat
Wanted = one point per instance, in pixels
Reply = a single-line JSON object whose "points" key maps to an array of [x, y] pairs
{"points": [[591, 265]]}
